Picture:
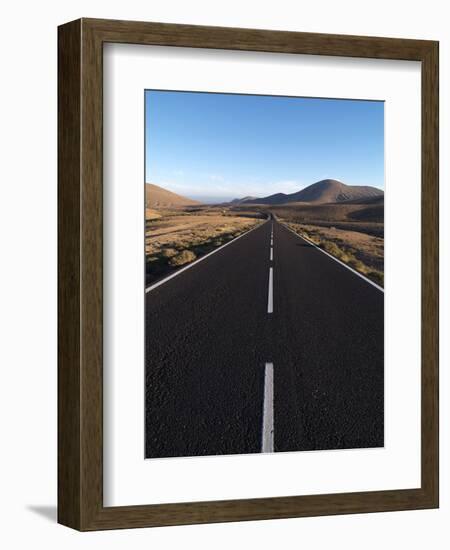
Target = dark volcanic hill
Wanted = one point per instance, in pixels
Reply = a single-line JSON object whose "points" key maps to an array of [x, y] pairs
{"points": [[322, 192], [244, 199], [277, 198]]}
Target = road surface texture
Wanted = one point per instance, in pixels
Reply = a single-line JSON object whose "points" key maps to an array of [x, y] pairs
{"points": [[266, 345]]}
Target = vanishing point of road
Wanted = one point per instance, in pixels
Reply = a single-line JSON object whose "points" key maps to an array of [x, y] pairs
{"points": [[266, 345]]}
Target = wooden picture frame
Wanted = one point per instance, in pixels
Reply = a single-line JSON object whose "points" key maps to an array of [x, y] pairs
{"points": [[80, 271]]}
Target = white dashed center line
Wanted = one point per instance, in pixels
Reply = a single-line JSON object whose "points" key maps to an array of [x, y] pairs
{"points": [[270, 293], [267, 428]]}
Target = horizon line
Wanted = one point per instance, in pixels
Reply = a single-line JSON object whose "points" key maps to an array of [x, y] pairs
{"points": [[234, 197]]}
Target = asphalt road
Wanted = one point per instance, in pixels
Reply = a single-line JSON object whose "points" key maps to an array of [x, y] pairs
{"points": [[262, 348]]}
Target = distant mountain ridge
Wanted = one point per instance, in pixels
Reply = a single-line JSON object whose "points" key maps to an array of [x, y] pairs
{"points": [[321, 192], [158, 197], [244, 199]]}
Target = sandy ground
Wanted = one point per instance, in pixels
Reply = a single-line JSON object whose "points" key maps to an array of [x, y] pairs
{"points": [[362, 251], [175, 238], [367, 248]]}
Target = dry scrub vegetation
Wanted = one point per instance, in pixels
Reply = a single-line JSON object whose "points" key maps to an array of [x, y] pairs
{"points": [[177, 237], [352, 231], [361, 251]]}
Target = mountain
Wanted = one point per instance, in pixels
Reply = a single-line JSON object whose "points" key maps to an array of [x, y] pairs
{"points": [[158, 197], [277, 198], [372, 212], [334, 191], [321, 192], [377, 199], [244, 199]]}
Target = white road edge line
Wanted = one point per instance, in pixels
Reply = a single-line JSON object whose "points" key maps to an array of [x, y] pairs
{"points": [[267, 427], [336, 260], [270, 293], [162, 281]]}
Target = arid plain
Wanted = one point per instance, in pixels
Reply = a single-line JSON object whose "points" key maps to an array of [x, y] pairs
{"points": [[345, 221]]}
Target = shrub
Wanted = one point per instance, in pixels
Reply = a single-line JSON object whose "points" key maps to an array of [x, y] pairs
{"points": [[377, 277], [169, 252], [358, 265], [332, 248], [339, 251], [184, 257]]}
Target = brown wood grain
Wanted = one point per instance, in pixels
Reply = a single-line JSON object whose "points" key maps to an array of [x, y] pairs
{"points": [[80, 264], [430, 272], [69, 244]]}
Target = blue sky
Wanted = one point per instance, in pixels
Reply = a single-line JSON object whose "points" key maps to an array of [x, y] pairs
{"points": [[221, 146]]}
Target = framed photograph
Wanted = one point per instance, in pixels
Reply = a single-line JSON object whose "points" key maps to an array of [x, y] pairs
{"points": [[248, 274]]}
